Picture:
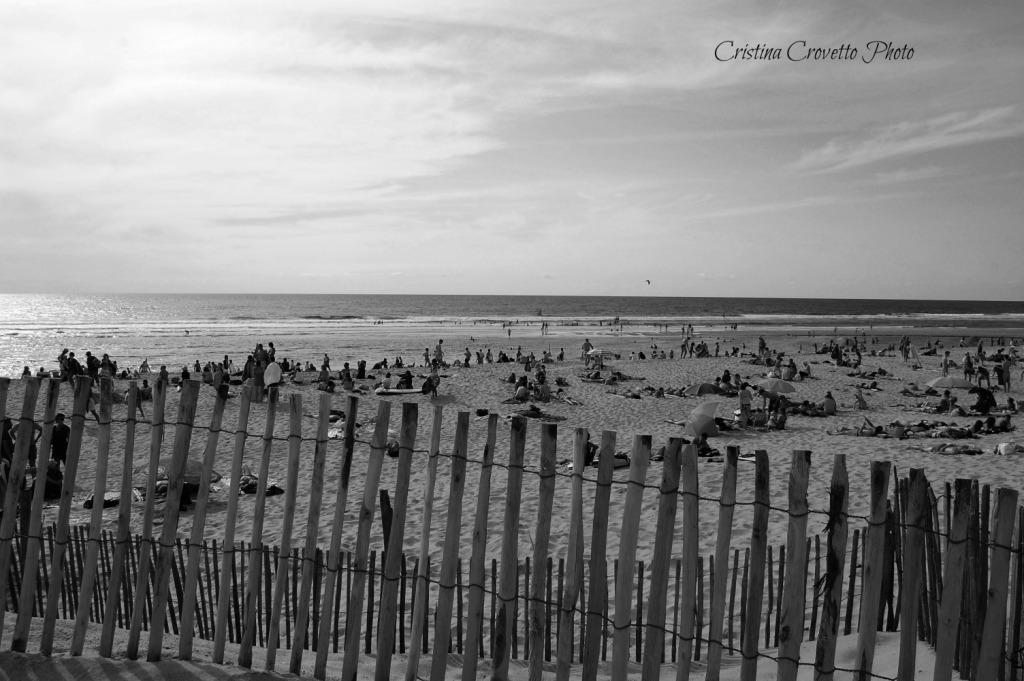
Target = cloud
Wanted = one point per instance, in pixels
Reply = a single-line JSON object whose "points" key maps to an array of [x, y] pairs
{"points": [[888, 177], [909, 138]]}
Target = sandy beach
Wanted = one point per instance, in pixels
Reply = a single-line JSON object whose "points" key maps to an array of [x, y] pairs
{"points": [[593, 406], [631, 407]]}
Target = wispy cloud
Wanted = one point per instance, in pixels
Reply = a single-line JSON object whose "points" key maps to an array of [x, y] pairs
{"points": [[910, 138], [888, 177]]}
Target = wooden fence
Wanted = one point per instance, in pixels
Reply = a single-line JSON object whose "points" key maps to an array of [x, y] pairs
{"points": [[944, 569]]}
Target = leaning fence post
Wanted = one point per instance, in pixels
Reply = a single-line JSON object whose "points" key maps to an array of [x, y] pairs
{"points": [[726, 506], [247, 626], [574, 559], [393, 554], [691, 544], [119, 572], [548, 445], [627, 553], [83, 393], [29, 587], [330, 605], [220, 629], [175, 476], [195, 545], [999, 571], [504, 624], [835, 559], [142, 577], [284, 558], [654, 644], [791, 622], [362, 553], [15, 481], [872, 571], [302, 612], [598, 601], [449, 556], [758, 557], [421, 580], [913, 553]]}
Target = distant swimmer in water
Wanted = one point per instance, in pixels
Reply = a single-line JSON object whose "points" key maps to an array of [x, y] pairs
{"points": [[186, 332]]}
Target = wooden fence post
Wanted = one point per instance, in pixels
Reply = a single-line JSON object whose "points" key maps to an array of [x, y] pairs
{"points": [[872, 572], [504, 624], [15, 481], [791, 622], [835, 560], [175, 477], [83, 393], [195, 545], [248, 624], [654, 645], [548, 445], [330, 605], [758, 556], [449, 555], [29, 587], [355, 606], [119, 572], [913, 553], [627, 554], [691, 549], [726, 506], [999, 571], [598, 601], [1013, 625], [142, 576], [302, 612], [574, 559], [220, 629], [284, 558], [421, 581], [393, 555]]}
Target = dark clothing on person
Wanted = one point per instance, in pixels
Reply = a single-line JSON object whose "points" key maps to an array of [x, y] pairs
{"points": [[59, 442]]}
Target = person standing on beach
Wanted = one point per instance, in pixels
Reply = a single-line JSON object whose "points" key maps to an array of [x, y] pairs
{"points": [[59, 439], [439, 352], [945, 363], [585, 350]]}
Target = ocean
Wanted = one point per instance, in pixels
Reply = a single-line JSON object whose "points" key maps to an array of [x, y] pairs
{"points": [[174, 329]]}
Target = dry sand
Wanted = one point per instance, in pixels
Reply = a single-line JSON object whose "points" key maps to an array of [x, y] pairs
{"points": [[484, 387], [600, 408], [35, 667]]}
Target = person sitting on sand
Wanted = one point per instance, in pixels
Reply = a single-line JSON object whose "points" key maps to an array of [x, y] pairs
{"points": [[745, 400], [859, 397], [405, 381], [985, 403], [521, 390], [828, 405]]}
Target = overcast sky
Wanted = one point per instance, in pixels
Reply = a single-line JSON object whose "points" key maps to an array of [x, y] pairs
{"points": [[522, 147]]}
